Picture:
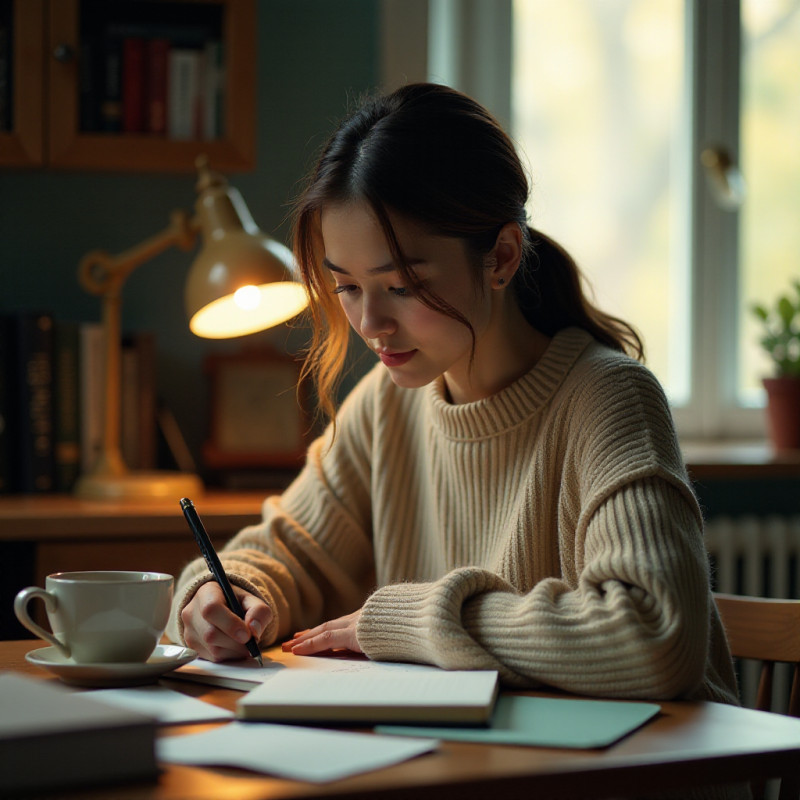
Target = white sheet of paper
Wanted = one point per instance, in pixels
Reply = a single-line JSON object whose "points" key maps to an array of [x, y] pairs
{"points": [[289, 751], [166, 705], [248, 670]]}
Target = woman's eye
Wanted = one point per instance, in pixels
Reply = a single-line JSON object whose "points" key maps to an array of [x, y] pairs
{"points": [[344, 288], [401, 291]]}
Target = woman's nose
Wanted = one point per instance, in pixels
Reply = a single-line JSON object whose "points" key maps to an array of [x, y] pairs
{"points": [[376, 320]]}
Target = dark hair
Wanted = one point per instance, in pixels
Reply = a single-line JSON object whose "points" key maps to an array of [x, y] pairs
{"points": [[437, 157]]}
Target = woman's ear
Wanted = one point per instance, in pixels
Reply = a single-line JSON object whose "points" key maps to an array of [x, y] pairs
{"points": [[506, 255]]}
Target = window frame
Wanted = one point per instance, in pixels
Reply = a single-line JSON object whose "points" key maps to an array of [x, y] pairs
{"points": [[464, 35]]}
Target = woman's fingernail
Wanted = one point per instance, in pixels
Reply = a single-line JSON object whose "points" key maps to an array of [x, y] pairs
{"points": [[255, 627], [242, 636]]}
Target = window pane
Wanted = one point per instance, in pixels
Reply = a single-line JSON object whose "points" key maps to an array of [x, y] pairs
{"points": [[770, 156], [598, 112]]}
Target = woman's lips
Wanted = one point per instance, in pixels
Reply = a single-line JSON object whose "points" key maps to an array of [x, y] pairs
{"points": [[396, 359]]}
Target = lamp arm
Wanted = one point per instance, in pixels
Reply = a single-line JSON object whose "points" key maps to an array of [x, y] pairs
{"points": [[102, 274]]}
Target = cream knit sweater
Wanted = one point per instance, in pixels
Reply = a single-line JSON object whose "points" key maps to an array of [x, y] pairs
{"points": [[548, 532]]}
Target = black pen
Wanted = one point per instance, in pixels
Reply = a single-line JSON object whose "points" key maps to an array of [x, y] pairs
{"points": [[217, 570]]}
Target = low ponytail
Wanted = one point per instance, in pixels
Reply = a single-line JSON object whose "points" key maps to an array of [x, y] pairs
{"points": [[548, 288]]}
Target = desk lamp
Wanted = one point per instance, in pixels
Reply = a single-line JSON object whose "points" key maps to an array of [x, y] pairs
{"points": [[241, 282]]}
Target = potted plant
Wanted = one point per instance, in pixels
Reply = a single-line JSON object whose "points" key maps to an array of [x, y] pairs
{"points": [[781, 340]]}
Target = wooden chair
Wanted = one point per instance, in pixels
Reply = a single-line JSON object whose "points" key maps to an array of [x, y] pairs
{"points": [[768, 631]]}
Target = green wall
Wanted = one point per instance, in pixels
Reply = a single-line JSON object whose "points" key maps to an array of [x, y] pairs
{"points": [[313, 57]]}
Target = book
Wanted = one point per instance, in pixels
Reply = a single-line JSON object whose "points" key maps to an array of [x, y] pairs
{"points": [[67, 404], [53, 738], [133, 84], [184, 98], [546, 722], [6, 75], [213, 75], [138, 412], [30, 379], [92, 392], [156, 56], [6, 420], [373, 692], [111, 94]]}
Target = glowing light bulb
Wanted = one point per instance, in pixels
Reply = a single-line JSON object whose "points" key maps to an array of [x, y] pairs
{"points": [[247, 297]]}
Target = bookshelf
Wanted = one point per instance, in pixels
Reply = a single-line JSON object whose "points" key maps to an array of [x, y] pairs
{"points": [[60, 56]]}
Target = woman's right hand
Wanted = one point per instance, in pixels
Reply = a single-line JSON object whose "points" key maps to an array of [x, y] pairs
{"points": [[214, 631]]}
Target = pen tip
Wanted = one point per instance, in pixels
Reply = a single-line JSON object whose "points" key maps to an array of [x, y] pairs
{"points": [[260, 661]]}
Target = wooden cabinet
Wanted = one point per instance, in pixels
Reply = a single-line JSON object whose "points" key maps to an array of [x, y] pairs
{"points": [[41, 534], [49, 41]]}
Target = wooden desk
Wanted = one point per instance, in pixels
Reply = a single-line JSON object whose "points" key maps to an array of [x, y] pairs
{"points": [[41, 534], [688, 744], [68, 533]]}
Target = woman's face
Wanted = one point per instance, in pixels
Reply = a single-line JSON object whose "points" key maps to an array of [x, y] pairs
{"points": [[414, 342]]}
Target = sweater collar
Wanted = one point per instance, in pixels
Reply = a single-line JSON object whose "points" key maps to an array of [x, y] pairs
{"points": [[514, 404]]}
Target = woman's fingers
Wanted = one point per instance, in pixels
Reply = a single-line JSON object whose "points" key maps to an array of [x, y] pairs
{"points": [[336, 634], [211, 628]]}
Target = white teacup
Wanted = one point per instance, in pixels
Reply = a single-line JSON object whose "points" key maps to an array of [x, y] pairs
{"points": [[101, 617]]}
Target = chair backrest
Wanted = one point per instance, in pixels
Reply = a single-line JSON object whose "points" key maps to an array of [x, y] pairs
{"points": [[767, 630]]}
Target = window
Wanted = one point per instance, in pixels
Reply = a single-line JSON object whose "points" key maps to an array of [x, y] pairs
{"points": [[612, 103]]}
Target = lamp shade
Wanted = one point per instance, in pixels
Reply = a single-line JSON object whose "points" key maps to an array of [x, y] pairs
{"points": [[242, 280]]}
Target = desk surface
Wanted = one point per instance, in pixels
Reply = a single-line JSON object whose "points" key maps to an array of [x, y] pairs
{"points": [[687, 744], [60, 516]]}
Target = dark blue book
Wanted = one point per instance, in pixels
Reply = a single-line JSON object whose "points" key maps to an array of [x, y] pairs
{"points": [[30, 382], [6, 419]]}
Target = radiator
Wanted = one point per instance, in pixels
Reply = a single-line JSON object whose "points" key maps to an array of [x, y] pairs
{"points": [[756, 556]]}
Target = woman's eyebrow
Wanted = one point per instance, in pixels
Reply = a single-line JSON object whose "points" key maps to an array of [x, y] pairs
{"points": [[373, 270]]}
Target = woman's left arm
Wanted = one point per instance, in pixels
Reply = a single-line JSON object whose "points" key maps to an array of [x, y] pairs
{"points": [[635, 625]]}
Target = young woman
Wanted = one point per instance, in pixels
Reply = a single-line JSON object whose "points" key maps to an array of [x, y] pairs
{"points": [[504, 489]]}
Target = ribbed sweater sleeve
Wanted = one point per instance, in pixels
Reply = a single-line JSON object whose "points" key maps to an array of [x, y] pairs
{"points": [[636, 625], [310, 558]]}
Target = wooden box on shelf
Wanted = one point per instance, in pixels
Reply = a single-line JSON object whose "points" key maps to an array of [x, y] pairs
{"points": [[258, 411]]}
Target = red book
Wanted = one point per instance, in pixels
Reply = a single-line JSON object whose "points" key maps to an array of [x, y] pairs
{"points": [[156, 111], [133, 84]]}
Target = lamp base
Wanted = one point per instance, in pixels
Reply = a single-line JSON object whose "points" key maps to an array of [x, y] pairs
{"points": [[139, 486]]}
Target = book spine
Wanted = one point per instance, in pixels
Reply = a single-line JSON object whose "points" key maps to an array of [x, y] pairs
{"points": [[67, 405], [213, 87], [157, 54], [183, 94], [92, 391], [133, 84], [6, 116], [129, 413], [88, 83], [34, 458], [7, 422], [111, 106]]}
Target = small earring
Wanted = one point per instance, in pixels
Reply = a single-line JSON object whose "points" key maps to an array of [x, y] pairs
{"points": [[501, 281]]}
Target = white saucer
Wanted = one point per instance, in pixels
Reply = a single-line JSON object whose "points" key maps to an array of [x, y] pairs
{"points": [[165, 658]]}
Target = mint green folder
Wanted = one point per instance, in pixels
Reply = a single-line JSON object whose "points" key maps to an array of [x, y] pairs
{"points": [[545, 722]]}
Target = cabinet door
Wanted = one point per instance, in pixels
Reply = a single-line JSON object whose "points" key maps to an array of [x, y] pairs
{"points": [[22, 145], [71, 147]]}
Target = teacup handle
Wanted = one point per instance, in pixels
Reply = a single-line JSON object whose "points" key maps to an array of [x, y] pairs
{"points": [[24, 596]]}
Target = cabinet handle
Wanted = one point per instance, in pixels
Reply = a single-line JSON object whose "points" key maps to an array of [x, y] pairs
{"points": [[64, 53]]}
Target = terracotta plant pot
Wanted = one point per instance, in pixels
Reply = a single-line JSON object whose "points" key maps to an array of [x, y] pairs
{"points": [[783, 412]]}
